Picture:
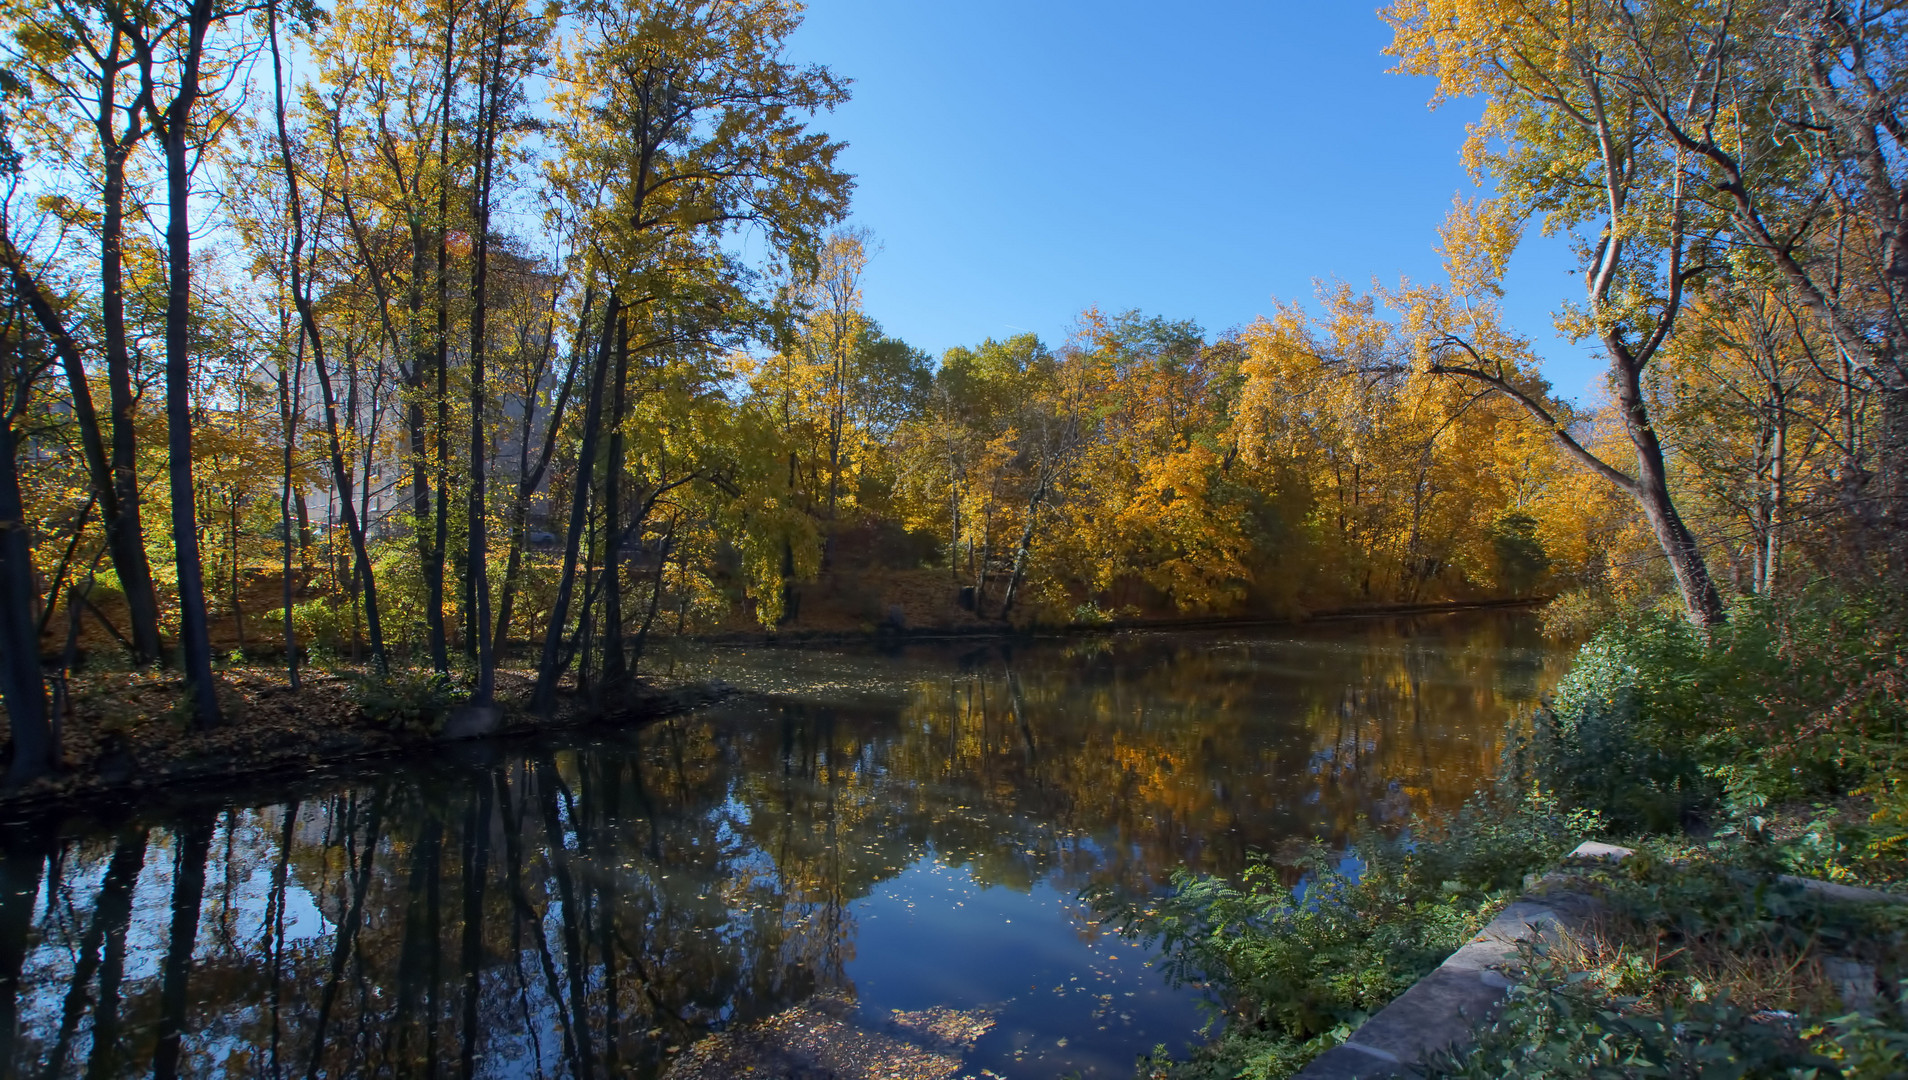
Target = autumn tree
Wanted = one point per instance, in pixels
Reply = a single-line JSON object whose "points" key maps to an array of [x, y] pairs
{"points": [[1786, 120], [87, 123], [682, 123], [1565, 139]]}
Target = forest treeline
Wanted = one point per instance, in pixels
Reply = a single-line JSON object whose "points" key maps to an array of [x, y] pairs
{"points": [[487, 325]]}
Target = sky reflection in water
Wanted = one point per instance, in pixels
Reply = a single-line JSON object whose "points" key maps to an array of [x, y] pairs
{"points": [[898, 830]]}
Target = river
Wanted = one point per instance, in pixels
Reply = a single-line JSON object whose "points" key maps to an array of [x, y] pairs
{"points": [[883, 848]]}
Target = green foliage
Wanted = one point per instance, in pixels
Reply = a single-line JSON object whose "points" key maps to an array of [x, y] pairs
{"points": [[413, 701], [1698, 968], [1520, 556], [1558, 1025], [1090, 614], [1656, 723], [1301, 965], [321, 623], [1619, 737]]}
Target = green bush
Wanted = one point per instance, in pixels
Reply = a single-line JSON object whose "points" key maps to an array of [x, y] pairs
{"points": [[1521, 561], [1657, 723], [319, 623], [1577, 614], [1696, 969], [410, 701], [1300, 966], [1620, 736]]}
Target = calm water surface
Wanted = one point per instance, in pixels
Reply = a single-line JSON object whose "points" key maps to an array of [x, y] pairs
{"points": [[895, 831]]}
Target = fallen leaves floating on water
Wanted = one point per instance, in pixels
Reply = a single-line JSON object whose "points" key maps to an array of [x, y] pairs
{"points": [[817, 1039]]}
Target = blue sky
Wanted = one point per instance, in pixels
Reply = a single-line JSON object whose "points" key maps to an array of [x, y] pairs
{"points": [[1019, 162]]}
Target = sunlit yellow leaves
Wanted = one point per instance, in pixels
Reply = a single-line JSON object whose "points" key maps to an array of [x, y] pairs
{"points": [[1476, 242]]}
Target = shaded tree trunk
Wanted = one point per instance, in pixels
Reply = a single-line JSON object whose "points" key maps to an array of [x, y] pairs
{"points": [[288, 389], [434, 568], [35, 749], [548, 668], [477, 571], [615, 673], [125, 536], [92, 446], [195, 643]]}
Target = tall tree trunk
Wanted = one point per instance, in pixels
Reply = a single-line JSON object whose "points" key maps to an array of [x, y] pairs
{"points": [[615, 673], [92, 444], [125, 536], [194, 634], [1778, 499], [232, 547], [478, 570], [1891, 465], [341, 473], [548, 669], [288, 420], [35, 749], [1022, 550], [1700, 598], [434, 569], [421, 530]]}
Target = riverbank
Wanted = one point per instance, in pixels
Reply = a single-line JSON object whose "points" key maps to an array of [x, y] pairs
{"points": [[126, 735]]}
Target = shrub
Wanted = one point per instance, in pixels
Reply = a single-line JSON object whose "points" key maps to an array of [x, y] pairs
{"points": [[1301, 965], [1619, 738], [1520, 558], [1656, 723], [405, 700], [1558, 1025], [319, 623]]}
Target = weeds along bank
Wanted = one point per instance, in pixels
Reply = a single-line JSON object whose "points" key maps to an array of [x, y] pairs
{"points": [[1771, 745]]}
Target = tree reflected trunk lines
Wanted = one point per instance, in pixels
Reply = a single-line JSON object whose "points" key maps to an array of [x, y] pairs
{"points": [[590, 911]]}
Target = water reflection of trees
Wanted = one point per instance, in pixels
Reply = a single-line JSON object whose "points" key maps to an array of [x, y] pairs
{"points": [[585, 912]]}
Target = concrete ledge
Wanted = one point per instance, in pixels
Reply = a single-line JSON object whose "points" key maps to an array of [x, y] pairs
{"points": [[1444, 1007]]}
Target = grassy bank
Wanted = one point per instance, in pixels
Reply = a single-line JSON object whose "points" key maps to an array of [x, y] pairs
{"points": [[1772, 746]]}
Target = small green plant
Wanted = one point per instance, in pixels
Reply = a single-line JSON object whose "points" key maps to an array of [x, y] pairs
{"points": [[319, 623], [1302, 964], [1699, 968], [1090, 614], [1559, 1023], [406, 700]]}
